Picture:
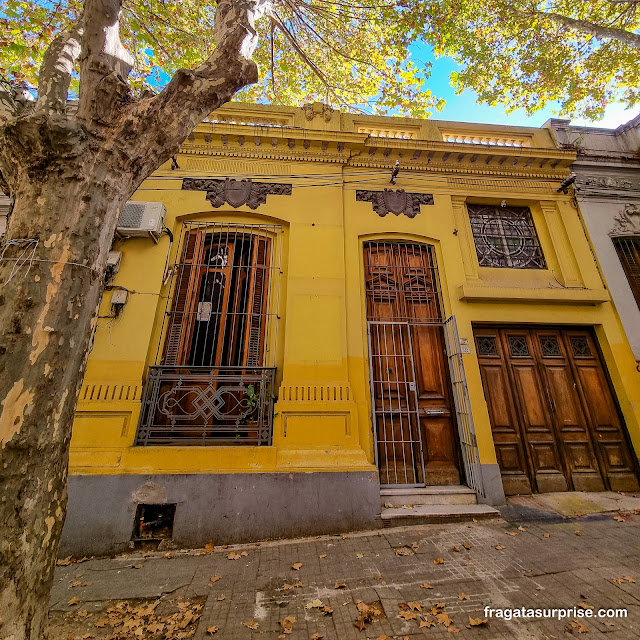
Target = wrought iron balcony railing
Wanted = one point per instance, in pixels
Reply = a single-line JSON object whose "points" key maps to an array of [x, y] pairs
{"points": [[207, 406]]}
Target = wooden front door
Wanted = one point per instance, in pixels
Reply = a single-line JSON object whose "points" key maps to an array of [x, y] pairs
{"points": [[414, 421], [554, 420]]}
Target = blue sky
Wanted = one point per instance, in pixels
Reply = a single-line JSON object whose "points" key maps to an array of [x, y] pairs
{"points": [[463, 108]]}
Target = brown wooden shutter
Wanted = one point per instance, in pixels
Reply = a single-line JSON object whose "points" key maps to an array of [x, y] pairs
{"points": [[257, 303], [183, 297], [628, 250]]}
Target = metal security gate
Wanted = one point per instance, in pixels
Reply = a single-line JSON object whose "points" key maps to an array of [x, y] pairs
{"points": [[399, 454], [411, 395], [464, 417]]}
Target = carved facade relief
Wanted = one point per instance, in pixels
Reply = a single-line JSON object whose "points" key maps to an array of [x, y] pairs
{"points": [[628, 222], [396, 202], [236, 192], [607, 181], [313, 109]]}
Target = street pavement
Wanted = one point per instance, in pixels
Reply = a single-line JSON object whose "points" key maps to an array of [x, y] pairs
{"points": [[532, 559]]}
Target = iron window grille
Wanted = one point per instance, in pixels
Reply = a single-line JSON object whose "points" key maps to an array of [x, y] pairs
{"points": [[213, 380], [505, 237], [628, 250]]}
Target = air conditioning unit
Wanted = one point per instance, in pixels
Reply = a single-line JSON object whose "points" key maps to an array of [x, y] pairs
{"points": [[141, 220]]}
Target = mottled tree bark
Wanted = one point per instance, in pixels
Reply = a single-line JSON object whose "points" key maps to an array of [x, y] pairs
{"points": [[69, 176]]}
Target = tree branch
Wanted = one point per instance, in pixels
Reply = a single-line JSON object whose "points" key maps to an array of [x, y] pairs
{"points": [[15, 100], [154, 128], [103, 61], [57, 66], [584, 26]]}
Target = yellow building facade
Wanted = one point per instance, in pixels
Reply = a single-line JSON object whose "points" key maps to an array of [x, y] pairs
{"points": [[342, 308]]}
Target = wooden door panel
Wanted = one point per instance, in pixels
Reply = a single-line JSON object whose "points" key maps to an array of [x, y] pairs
{"points": [[502, 415], [606, 427]]}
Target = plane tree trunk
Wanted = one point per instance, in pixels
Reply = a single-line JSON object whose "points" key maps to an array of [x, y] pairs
{"points": [[69, 176]]}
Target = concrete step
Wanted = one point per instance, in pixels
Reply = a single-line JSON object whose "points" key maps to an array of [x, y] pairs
{"points": [[436, 513], [443, 494]]}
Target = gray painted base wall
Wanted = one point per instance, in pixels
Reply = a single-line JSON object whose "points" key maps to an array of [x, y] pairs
{"points": [[223, 508], [492, 481]]}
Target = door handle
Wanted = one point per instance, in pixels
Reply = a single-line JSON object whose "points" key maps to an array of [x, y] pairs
{"points": [[431, 413]]}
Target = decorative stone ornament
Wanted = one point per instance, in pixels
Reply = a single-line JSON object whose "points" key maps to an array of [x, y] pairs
{"points": [[628, 222], [236, 192], [396, 202], [313, 109]]}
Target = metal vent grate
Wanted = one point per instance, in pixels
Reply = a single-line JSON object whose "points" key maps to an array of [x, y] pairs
{"points": [[131, 215]]}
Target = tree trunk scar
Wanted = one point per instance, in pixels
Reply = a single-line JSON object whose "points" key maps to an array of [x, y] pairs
{"points": [[14, 406], [40, 338]]}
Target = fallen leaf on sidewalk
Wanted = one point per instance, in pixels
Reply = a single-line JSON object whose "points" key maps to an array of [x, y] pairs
{"points": [[627, 578], [212, 630], [444, 618], [233, 556], [384, 636], [579, 533], [467, 545], [340, 585], [500, 547], [64, 562], [324, 555], [438, 561], [511, 533], [618, 580], [326, 610], [210, 546], [521, 528], [359, 555], [388, 505], [427, 622], [455, 549], [79, 583], [404, 551], [586, 605], [426, 585], [618, 518], [546, 535], [408, 615], [297, 584], [287, 587], [136, 566], [414, 545], [453, 630], [221, 597], [296, 566], [463, 596], [287, 624], [478, 622], [314, 604], [73, 601], [244, 553], [581, 628], [213, 579], [250, 625], [317, 636]]}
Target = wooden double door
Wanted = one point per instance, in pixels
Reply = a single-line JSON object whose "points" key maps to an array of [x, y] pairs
{"points": [[555, 422], [413, 414]]}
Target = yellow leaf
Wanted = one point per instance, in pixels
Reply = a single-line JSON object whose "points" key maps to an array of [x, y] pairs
{"points": [[64, 562], [438, 561], [455, 549], [521, 528], [546, 535], [426, 585], [244, 553], [340, 585], [212, 630], [511, 533], [627, 578], [317, 636], [404, 551], [408, 615], [427, 622], [286, 586], [585, 605], [324, 555], [359, 555], [500, 547], [618, 580], [444, 618], [314, 604], [453, 630], [579, 533], [250, 625], [73, 601], [467, 545], [233, 556], [210, 546], [296, 566], [221, 597], [463, 596], [213, 579], [297, 584], [136, 566], [326, 610], [478, 622]]}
